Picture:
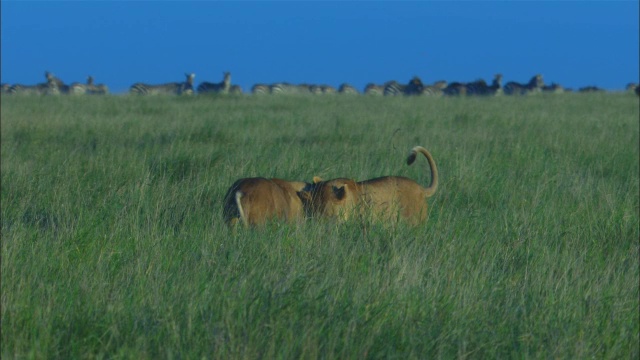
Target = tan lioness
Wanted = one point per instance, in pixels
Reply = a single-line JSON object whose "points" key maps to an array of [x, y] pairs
{"points": [[254, 201], [385, 198]]}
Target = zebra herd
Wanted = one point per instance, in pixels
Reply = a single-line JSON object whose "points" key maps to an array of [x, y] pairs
{"points": [[55, 86], [415, 87]]}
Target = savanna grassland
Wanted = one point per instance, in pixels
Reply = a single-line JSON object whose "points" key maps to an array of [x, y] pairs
{"points": [[113, 244]]}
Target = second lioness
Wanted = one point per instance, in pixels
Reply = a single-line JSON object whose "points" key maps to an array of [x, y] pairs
{"points": [[255, 201], [385, 198]]}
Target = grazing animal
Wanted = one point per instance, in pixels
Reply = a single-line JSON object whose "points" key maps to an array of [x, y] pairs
{"points": [[93, 89], [175, 88], [414, 87], [223, 87], [235, 90], [385, 198], [347, 89], [553, 88], [590, 89], [51, 87], [481, 88], [38, 89], [56, 86], [76, 88], [255, 201], [260, 89], [5, 88], [374, 89], [455, 89], [533, 86], [321, 89], [435, 89], [285, 88]]}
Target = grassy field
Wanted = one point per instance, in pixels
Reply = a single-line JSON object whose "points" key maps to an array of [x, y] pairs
{"points": [[113, 244]]}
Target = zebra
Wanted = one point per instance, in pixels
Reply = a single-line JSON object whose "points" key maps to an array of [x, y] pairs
{"points": [[93, 89], [78, 89], [287, 88], [328, 89], [414, 87], [480, 87], [175, 88], [235, 90], [590, 89], [374, 89], [315, 89], [38, 89], [260, 89], [434, 89], [455, 89], [52, 78], [5, 88], [221, 87], [56, 86], [347, 89], [322, 89], [553, 88], [533, 86], [48, 88]]}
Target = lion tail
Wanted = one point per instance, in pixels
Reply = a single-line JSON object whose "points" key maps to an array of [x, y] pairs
{"points": [[243, 216], [429, 191]]}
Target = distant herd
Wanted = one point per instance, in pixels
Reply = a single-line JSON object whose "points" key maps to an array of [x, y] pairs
{"points": [[415, 87]]}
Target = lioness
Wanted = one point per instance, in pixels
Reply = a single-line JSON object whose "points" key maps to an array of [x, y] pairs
{"points": [[384, 198], [254, 201]]}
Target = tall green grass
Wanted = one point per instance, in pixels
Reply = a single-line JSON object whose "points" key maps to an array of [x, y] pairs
{"points": [[113, 243]]}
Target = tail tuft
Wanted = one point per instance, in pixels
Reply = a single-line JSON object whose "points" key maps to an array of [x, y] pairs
{"points": [[412, 157]]}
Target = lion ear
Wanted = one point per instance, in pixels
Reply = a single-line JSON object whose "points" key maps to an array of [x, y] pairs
{"points": [[317, 179], [339, 192]]}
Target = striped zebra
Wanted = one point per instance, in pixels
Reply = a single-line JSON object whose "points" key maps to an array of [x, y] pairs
{"points": [[175, 88], [235, 90], [345, 88], [322, 89], [260, 89], [287, 88], [56, 86], [216, 88], [93, 89], [533, 86], [48, 88], [553, 88], [590, 89], [374, 89], [480, 87], [414, 87], [38, 89], [455, 89], [77, 88], [434, 89], [50, 77], [315, 89]]}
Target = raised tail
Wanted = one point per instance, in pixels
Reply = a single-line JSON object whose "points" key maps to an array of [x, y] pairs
{"points": [[243, 217], [432, 164]]}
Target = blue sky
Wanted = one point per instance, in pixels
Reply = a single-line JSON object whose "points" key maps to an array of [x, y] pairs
{"points": [[573, 43]]}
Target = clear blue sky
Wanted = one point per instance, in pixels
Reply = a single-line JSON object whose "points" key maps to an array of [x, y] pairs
{"points": [[574, 43]]}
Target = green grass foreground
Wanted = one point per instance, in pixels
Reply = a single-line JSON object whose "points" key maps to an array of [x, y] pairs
{"points": [[113, 244]]}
